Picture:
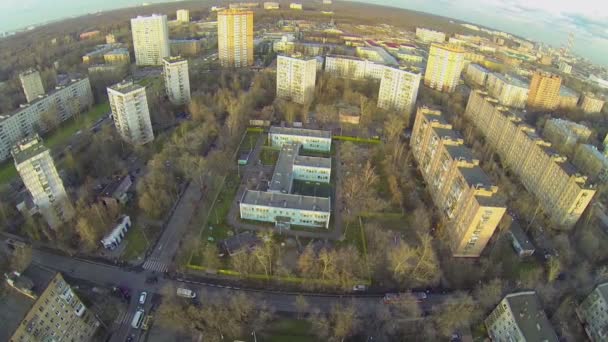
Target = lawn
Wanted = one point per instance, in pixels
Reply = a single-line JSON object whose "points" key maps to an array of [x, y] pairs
{"points": [[136, 243], [269, 156], [60, 136], [288, 330], [248, 143]]}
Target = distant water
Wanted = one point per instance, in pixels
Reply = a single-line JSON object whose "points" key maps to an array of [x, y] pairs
{"points": [[18, 14]]}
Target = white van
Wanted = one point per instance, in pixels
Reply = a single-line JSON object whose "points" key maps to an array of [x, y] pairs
{"points": [[137, 319]]}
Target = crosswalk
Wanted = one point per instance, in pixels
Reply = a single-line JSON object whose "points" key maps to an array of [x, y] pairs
{"points": [[124, 317], [156, 265]]}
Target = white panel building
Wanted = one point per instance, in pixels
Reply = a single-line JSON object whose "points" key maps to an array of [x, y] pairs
{"points": [[429, 36], [509, 90], [398, 90], [150, 39], [177, 80], [296, 78], [353, 67], [477, 74], [314, 140], [35, 165], [183, 16], [130, 112]]}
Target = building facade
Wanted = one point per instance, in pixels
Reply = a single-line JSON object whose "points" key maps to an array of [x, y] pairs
{"points": [[477, 74], [544, 91], [185, 47], [561, 190], [117, 56], [353, 67], [592, 162], [296, 77], [593, 313], [57, 315], [31, 82], [509, 90], [429, 36], [130, 112], [565, 67], [235, 38], [150, 39], [63, 102], [443, 67], [464, 194], [564, 134], [314, 140], [398, 90], [271, 5], [177, 81], [35, 165], [591, 103], [568, 98], [520, 317], [183, 16]]}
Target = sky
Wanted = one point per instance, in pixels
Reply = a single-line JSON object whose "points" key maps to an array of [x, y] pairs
{"points": [[548, 21]]}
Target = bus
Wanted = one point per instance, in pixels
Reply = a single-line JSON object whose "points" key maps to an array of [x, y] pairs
{"points": [[137, 319]]}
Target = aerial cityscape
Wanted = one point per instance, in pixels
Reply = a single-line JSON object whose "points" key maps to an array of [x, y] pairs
{"points": [[317, 170]]}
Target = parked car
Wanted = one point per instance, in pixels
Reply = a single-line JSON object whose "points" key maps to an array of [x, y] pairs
{"points": [[142, 297], [359, 288], [186, 293]]}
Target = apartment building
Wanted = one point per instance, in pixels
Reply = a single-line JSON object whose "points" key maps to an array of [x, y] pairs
{"points": [[183, 15], [564, 134], [443, 67], [353, 67], [130, 112], [568, 98], [591, 103], [235, 38], [278, 204], [64, 101], [117, 56], [150, 39], [464, 194], [520, 317], [429, 36], [35, 165], [108, 53], [57, 315], [592, 162], [311, 139], [271, 5], [177, 81], [398, 90], [544, 91], [565, 67], [593, 313], [296, 77], [477, 74], [509, 90], [31, 82], [562, 192], [185, 47], [295, 6]]}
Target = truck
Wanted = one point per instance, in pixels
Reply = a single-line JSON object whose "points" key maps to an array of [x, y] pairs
{"points": [[186, 293]]}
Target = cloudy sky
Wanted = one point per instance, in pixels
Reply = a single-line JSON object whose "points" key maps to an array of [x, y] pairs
{"points": [[548, 21]]}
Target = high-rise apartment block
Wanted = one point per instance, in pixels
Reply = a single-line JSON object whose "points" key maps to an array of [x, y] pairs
{"points": [[430, 36], [296, 77], [565, 67], [591, 103], [353, 67], [544, 91], [235, 38], [63, 102], [150, 39], [398, 90], [57, 315], [520, 317], [183, 16], [564, 134], [130, 112], [465, 195], [561, 190], [477, 74], [31, 82], [443, 67], [593, 313], [35, 165], [591, 161], [509, 90], [177, 81]]}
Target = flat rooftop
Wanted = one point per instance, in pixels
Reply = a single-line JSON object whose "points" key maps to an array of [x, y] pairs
{"points": [[476, 177], [530, 317], [447, 133], [27, 148], [283, 171], [300, 132], [460, 152], [313, 162], [512, 80], [126, 87], [280, 200]]}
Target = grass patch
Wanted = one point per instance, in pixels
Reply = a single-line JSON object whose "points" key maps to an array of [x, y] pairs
{"points": [[248, 143], [7, 172], [356, 140], [289, 330], [269, 156], [136, 243]]}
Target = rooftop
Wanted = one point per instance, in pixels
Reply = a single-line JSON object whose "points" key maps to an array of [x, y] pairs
{"points": [[280, 200], [300, 132], [530, 317], [126, 87], [313, 162], [446, 133], [117, 185], [283, 171], [239, 243], [521, 236], [512, 80], [460, 152], [448, 47], [174, 59], [27, 148], [475, 177]]}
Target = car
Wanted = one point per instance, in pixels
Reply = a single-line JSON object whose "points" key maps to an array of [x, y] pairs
{"points": [[359, 288], [142, 298]]}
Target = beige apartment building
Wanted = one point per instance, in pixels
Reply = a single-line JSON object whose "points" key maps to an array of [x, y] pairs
{"points": [[593, 313], [464, 194], [398, 90], [57, 315], [544, 91], [183, 15], [568, 98], [235, 38], [443, 67], [591, 103], [561, 190]]}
